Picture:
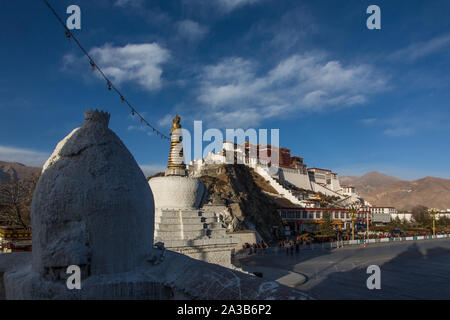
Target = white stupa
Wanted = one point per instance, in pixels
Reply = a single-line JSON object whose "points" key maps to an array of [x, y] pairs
{"points": [[93, 208], [181, 223], [78, 195]]}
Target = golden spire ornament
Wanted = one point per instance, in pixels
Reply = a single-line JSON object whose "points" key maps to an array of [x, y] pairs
{"points": [[176, 166]]}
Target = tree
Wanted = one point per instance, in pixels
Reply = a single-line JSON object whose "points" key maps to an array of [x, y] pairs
{"points": [[326, 228], [443, 222], [353, 210], [396, 222], [15, 201], [421, 216]]}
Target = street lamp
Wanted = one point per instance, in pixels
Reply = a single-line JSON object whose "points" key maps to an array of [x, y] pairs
{"points": [[353, 209], [433, 212]]}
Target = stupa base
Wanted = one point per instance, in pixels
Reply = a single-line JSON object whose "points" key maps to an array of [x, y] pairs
{"points": [[176, 172], [211, 250], [24, 284]]}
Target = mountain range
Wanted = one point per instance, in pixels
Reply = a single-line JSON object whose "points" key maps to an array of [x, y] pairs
{"points": [[383, 190], [377, 188], [13, 171]]}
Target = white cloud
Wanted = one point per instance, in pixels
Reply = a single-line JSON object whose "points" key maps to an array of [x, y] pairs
{"points": [[410, 122], [230, 5], [138, 125], [133, 63], [235, 93], [151, 169], [125, 3], [398, 132], [191, 30], [137, 128], [422, 49], [166, 121], [25, 156], [369, 121]]}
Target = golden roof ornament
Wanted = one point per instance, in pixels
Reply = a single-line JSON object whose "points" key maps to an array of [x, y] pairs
{"points": [[175, 124], [176, 166]]}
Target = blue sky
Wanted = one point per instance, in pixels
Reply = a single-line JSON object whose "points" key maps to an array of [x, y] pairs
{"points": [[344, 97]]}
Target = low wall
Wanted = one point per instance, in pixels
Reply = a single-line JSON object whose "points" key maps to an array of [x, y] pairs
{"points": [[332, 245], [284, 192], [247, 236], [318, 188]]}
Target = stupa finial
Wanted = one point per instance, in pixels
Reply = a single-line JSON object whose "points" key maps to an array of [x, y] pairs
{"points": [[176, 166], [97, 116]]}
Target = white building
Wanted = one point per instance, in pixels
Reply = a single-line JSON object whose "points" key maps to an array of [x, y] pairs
{"points": [[290, 169], [403, 216], [348, 190], [382, 214]]}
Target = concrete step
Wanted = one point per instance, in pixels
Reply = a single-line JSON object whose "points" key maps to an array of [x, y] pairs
{"points": [[216, 232], [215, 225], [194, 234], [172, 235], [177, 227], [170, 213], [188, 220], [208, 214], [188, 213], [161, 235]]}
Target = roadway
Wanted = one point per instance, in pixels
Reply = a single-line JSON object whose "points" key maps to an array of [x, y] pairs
{"points": [[409, 270]]}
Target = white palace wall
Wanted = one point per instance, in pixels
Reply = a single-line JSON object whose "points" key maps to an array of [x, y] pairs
{"points": [[296, 178]]}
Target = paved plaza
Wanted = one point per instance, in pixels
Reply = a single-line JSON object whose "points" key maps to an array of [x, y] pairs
{"points": [[409, 270]]}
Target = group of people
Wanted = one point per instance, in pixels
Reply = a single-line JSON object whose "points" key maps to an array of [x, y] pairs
{"points": [[258, 247], [291, 245]]}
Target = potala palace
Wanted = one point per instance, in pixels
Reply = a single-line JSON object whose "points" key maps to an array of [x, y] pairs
{"points": [[290, 171], [304, 187]]}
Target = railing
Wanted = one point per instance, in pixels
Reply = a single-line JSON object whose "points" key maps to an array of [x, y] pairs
{"points": [[331, 245], [283, 191]]}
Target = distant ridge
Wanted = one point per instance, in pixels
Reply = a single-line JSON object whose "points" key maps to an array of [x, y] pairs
{"points": [[383, 190], [12, 171], [369, 181]]}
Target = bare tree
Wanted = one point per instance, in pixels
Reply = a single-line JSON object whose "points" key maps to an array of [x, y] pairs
{"points": [[15, 202]]}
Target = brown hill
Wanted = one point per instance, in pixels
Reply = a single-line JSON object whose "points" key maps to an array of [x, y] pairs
{"points": [[369, 181], [13, 171], [382, 190]]}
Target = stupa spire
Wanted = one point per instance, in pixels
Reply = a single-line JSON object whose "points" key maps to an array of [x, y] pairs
{"points": [[176, 165]]}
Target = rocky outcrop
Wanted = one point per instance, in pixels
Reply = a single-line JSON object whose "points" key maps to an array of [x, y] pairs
{"points": [[246, 197]]}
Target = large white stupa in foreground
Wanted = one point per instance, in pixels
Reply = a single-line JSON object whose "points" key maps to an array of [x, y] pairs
{"points": [[93, 209]]}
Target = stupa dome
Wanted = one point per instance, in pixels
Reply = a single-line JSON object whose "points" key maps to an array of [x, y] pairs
{"points": [[92, 206], [177, 192]]}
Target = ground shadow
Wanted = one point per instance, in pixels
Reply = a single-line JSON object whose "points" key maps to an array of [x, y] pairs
{"points": [[416, 273]]}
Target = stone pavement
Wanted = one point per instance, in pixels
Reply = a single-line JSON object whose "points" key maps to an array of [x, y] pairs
{"points": [[409, 270], [284, 277]]}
